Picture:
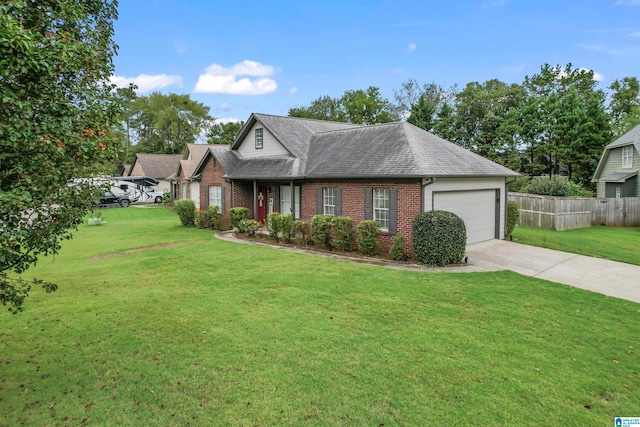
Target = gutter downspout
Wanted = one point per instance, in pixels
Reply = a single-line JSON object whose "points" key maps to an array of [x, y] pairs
{"points": [[425, 182]]}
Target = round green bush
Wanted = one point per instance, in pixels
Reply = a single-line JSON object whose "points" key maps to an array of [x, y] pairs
{"points": [[439, 238]]}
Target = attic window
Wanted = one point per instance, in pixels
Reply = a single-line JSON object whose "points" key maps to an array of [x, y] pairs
{"points": [[627, 156], [258, 139]]}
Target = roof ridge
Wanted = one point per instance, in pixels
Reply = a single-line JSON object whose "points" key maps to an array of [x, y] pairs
{"points": [[357, 126], [304, 118]]}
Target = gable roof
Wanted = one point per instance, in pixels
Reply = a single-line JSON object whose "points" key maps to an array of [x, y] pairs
{"points": [[630, 138], [196, 151], [159, 166], [322, 149]]}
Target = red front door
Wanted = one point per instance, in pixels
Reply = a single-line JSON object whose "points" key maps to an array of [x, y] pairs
{"points": [[262, 202]]}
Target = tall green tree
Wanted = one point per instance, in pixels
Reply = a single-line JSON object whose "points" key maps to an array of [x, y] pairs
{"points": [[354, 106], [625, 104], [126, 97], [163, 124], [55, 111], [567, 122], [411, 93], [224, 133], [423, 114]]}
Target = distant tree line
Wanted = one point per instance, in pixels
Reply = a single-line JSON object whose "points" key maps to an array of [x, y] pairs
{"points": [[555, 122]]}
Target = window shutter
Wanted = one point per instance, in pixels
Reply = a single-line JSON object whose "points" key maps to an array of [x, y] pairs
{"points": [[338, 201], [206, 196], [222, 199], [393, 211], [368, 203], [319, 202]]}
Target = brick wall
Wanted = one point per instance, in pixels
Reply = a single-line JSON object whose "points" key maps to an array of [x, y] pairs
{"points": [[353, 203], [243, 196], [212, 174]]}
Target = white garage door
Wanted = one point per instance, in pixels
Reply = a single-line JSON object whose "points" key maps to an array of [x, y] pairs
{"points": [[194, 192], [476, 208]]}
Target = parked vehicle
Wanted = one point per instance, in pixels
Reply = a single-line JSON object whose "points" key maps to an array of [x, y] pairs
{"points": [[152, 195], [110, 199]]}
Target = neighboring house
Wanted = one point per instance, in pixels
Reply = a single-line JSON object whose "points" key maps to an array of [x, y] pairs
{"points": [[124, 170], [388, 172], [158, 166], [187, 186], [617, 172]]}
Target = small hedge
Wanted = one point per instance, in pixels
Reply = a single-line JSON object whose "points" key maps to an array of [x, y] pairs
{"points": [[396, 251], [557, 185], [186, 210], [236, 215], [302, 231], [248, 226], [342, 233], [439, 238], [513, 214], [368, 232], [321, 230], [211, 219], [280, 227]]}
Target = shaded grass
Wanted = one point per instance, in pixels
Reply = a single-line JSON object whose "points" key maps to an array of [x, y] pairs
{"points": [[217, 333], [614, 243]]}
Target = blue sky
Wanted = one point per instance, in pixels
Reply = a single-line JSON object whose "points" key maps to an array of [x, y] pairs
{"points": [[240, 57]]}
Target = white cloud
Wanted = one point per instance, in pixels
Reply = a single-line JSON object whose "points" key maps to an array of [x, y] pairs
{"points": [[146, 82], [411, 47], [219, 79], [224, 107], [293, 90], [227, 120], [596, 76]]}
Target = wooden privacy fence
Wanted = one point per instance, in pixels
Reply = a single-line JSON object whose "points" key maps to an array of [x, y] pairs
{"points": [[563, 213]]}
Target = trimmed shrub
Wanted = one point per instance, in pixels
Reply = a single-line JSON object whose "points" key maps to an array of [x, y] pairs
{"points": [[368, 232], [321, 230], [248, 226], [302, 231], [396, 251], [557, 185], [186, 210], [273, 225], [513, 214], [286, 228], [238, 214], [342, 233], [439, 238], [519, 183], [211, 219]]}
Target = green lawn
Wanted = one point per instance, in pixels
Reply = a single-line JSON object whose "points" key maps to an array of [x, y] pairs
{"points": [[614, 243], [196, 331]]}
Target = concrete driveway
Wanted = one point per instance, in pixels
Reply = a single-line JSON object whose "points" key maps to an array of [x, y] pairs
{"points": [[611, 278]]}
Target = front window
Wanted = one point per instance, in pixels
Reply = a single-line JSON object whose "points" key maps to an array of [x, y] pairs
{"points": [[258, 139], [627, 156], [381, 208], [329, 201], [215, 196], [184, 191], [285, 200]]}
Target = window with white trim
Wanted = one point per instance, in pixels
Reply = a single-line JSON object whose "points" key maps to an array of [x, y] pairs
{"points": [[285, 200], [215, 196], [330, 200], [381, 207], [258, 139], [627, 156]]}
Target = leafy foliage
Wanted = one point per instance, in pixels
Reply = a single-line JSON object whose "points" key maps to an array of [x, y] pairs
{"points": [[163, 124], [236, 215], [55, 111], [186, 210], [248, 226], [224, 133], [321, 230], [439, 238], [210, 219], [368, 232], [302, 231], [555, 186], [342, 233], [625, 104], [513, 215], [355, 106], [396, 251]]}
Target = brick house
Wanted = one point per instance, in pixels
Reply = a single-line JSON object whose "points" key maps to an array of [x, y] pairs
{"points": [[159, 166], [389, 173]]}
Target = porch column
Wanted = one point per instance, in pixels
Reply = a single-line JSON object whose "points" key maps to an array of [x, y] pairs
{"points": [[293, 201], [255, 200]]}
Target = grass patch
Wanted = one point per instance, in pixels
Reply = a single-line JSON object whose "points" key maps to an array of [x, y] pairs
{"points": [[216, 333], [614, 243]]}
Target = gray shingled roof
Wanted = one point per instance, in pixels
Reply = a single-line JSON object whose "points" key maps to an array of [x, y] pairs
{"points": [[321, 149], [159, 166], [393, 150], [631, 137], [618, 176]]}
